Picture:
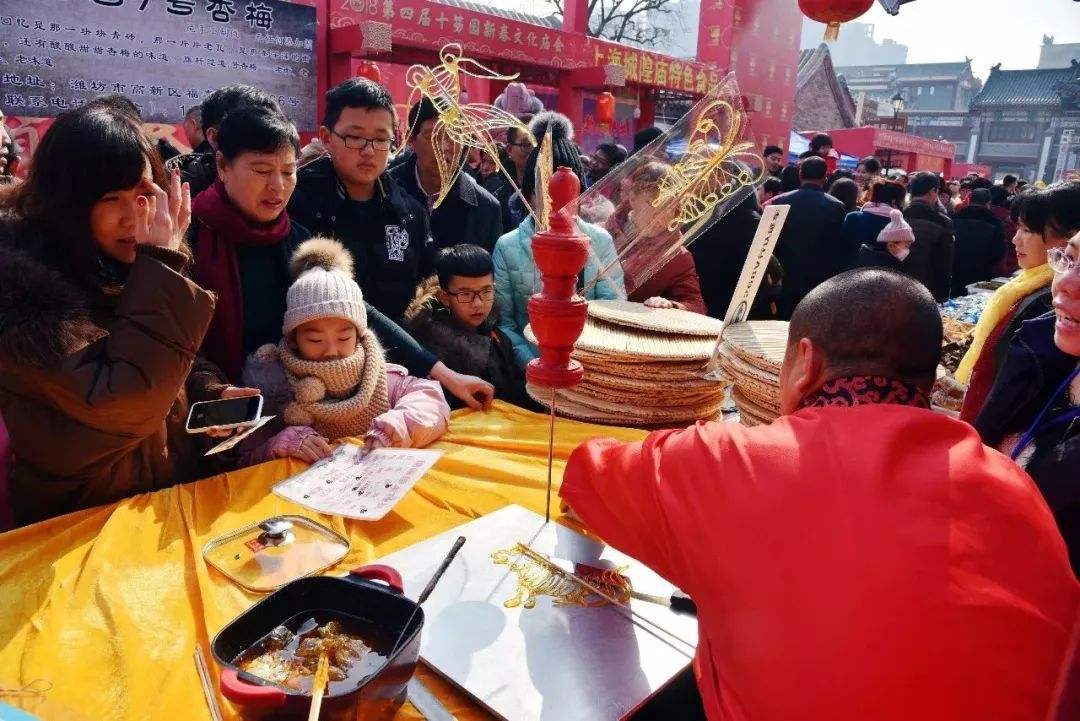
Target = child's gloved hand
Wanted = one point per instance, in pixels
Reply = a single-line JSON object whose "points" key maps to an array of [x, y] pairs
{"points": [[300, 442]]}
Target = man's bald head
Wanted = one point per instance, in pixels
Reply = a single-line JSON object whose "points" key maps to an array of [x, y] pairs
{"points": [[868, 321]]}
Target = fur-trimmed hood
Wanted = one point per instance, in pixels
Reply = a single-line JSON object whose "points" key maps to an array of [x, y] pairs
{"points": [[44, 317], [425, 307]]}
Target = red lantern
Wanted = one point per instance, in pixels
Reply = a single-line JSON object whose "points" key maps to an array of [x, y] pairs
{"points": [[369, 70], [605, 108], [834, 12]]}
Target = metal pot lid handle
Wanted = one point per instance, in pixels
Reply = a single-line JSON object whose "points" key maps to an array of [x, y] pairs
{"points": [[276, 527]]}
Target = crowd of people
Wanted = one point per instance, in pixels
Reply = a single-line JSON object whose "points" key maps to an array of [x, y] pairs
{"points": [[361, 298]]}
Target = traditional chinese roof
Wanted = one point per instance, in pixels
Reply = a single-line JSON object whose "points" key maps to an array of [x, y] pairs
{"points": [[908, 71], [819, 60], [550, 21], [1022, 87]]}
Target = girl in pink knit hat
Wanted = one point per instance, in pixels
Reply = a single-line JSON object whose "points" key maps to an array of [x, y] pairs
{"points": [[328, 377], [892, 247]]}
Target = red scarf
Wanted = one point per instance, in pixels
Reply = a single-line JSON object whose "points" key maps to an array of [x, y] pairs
{"points": [[221, 228]]}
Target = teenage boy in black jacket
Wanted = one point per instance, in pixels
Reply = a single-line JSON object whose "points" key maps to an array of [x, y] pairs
{"points": [[350, 196]]}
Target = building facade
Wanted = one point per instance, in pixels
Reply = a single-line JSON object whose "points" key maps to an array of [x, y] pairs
{"points": [[1057, 55], [936, 97], [1027, 122]]}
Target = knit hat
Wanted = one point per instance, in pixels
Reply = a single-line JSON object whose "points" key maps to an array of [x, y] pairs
{"points": [[897, 231], [323, 286]]}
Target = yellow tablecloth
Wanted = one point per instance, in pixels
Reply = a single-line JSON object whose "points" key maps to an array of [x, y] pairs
{"points": [[106, 604]]}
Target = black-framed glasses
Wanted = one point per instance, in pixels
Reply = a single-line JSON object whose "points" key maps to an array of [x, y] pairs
{"points": [[358, 142], [1061, 263], [466, 297]]}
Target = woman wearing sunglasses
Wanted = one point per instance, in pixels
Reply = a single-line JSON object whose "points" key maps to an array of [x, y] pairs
{"points": [[1033, 410]]}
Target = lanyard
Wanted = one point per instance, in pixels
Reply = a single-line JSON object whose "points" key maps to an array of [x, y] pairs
{"points": [[1037, 425]]}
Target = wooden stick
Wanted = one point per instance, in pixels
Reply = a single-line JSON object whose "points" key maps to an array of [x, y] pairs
{"points": [[551, 458], [322, 678], [207, 685]]}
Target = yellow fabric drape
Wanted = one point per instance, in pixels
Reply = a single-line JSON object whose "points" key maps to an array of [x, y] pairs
{"points": [[107, 604], [1000, 303]]}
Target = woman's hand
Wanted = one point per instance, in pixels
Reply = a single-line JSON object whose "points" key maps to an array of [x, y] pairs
{"points": [[161, 219], [477, 393], [231, 392], [658, 302]]}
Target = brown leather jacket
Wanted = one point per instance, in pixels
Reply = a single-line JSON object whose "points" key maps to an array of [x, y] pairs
{"points": [[92, 381]]}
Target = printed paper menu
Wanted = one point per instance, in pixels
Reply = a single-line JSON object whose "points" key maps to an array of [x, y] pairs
{"points": [[354, 485]]}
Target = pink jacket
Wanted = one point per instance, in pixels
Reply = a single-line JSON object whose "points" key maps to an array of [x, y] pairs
{"points": [[418, 416]]}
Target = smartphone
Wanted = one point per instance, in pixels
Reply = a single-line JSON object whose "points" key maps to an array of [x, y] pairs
{"points": [[227, 413]]}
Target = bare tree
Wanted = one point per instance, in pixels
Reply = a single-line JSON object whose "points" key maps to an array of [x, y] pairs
{"points": [[623, 20]]}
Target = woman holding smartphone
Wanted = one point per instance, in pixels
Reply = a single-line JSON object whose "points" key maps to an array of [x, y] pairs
{"points": [[98, 324]]}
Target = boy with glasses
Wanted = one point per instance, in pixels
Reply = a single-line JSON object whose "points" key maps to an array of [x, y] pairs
{"points": [[454, 316], [349, 195]]}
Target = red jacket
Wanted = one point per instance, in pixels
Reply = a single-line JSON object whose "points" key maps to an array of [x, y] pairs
{"points": [[875, 562], [677, 281]]}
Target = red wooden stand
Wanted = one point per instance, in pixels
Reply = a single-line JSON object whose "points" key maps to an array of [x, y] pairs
{"points": [[557, 313]]}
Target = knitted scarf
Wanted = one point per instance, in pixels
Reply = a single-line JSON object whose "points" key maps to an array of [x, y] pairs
{"points": [[338, 398], [1000, 304], [221, 228]]}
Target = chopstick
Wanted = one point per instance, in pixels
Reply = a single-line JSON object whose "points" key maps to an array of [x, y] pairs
{"points": [[322, 677], [207, 686]]}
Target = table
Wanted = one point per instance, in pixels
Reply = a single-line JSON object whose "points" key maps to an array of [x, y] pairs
{"points": [[107, 604]]}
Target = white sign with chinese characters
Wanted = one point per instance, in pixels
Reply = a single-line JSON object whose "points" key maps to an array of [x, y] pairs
{"points": [[352, 484], [165, 55]]}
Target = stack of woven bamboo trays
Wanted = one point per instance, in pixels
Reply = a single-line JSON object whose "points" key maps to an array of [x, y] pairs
{"points": [[750, 354], [644, 367]]}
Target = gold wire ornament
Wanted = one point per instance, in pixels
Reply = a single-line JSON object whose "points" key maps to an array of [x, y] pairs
{"points": [[545, 164], [460, 127], [536, 576], [714, 167]]}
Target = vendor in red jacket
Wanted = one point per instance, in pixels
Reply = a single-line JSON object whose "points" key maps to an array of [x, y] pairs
{"points": [[862, 557]]}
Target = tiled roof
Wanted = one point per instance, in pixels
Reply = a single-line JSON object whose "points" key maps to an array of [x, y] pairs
{"points": [[1022, 87], [548, 22], [906, 71]]}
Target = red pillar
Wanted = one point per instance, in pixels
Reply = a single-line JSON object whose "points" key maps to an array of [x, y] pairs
{"points": [[570, 100], [647, 104], [575, 16]]}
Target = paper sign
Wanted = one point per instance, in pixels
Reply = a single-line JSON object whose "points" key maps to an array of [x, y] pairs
{"points": [[757, 262], [234, 439], [352, 484]]}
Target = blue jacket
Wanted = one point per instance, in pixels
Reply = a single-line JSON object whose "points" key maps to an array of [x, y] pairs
{"points": [[860, 228], [517, 278]]}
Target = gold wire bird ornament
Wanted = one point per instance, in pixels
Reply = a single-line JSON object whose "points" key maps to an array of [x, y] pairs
{"points": [[713, 169], [545, 164], [460, 127]]}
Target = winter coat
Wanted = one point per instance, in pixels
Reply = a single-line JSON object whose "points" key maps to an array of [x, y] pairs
{"points": [[1008, 263], [92, 381], [876, 256], [996, 348], [809, 246], [1033, 369], [268, 269], [719, 256], [931, 258], [499, 187], [486, 352], [860, 228], [979, 246], [676, 280], [388, 236], [517, 278], [418, 414], [199, 169], [468, 214]]}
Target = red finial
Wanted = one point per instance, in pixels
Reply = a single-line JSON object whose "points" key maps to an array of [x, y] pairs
{"points": [[564, 188]]}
